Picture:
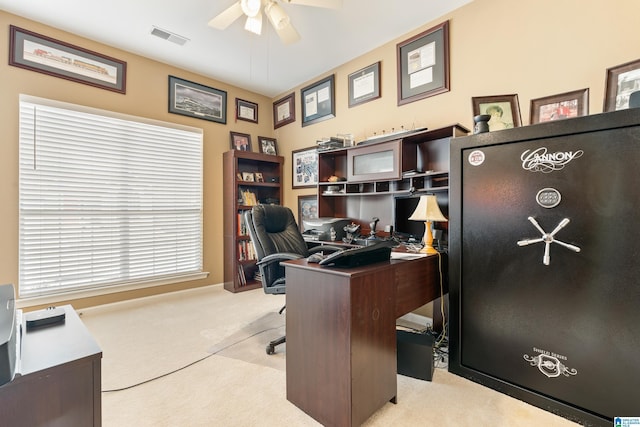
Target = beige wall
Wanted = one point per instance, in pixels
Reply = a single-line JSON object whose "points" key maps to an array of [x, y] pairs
{"points": [[146, 96], [533, 49], [530, 48]]}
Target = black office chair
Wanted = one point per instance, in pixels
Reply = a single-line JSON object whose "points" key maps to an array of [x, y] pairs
{"points": [[276, 238]]}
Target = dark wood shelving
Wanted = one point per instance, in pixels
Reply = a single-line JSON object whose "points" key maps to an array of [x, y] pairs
{"points": [[239, 272], [415, 163]]}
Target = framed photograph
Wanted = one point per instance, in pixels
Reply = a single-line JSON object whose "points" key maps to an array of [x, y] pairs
{"points": [[46, 55], [503, 109], [622, 81], [364, 85], [246, 110], [259, 177], [318, 101], [307, 209], [304, 164], [558, 107], [284, 111], [268, 145], [423, 64], [196, 100], [247, 176], [240, 141]]}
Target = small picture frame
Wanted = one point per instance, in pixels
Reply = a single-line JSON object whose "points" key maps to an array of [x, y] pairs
{"points": [[304, 165], [268, 145], [259, 177], [247, 176], [47, 55], [503, 109], [561, 106], [307, 209], [284, 111], [622, 81], [423, 64], [240, 141], [364, 85], [197, 101], [318, 101], [246, 110]]}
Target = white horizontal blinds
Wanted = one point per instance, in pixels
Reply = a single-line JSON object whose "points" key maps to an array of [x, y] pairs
{"points": [[105, 200]]}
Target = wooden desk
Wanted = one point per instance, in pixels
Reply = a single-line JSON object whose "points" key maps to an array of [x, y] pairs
{"points": [[341, 334], [60, 382]]}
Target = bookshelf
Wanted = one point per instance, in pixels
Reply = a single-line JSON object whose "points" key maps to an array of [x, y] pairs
{"points": [[249, 178]]}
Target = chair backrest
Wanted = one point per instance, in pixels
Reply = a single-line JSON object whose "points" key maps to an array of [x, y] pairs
{"points": [[273, 230]]}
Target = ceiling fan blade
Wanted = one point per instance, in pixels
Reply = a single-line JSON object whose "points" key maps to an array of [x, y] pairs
{"points": [[328, 4], [227, 16], [288, 34]]}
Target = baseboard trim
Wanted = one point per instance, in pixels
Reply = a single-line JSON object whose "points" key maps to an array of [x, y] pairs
{"points": [[29, 301]]}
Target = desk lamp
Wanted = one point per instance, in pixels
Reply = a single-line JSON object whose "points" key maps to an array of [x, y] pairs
{"points": [[427, 211]]}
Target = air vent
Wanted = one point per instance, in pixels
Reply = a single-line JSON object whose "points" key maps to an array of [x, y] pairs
{"points": [[167, 35]]}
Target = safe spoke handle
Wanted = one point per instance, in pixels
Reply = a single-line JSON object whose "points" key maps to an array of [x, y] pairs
{"points": [[548, 239]]}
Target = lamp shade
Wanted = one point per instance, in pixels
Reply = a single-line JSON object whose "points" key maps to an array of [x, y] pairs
{"points": [[428, 210]]}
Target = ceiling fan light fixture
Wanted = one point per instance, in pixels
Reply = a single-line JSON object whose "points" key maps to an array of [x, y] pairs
{"points": [[254, 24], [251, 8], [279, 19]]}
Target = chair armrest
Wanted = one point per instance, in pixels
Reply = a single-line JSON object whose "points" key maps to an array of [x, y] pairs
{"points": [[279, 257], [325, 248]]}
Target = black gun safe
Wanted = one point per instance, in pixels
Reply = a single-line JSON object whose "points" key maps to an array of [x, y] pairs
{"points": [[544, 250]]}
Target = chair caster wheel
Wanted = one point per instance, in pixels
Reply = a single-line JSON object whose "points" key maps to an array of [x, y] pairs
{"points": [[271, 349]]}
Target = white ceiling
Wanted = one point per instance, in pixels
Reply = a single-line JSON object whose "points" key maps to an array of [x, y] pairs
{"points": [[261, 64]]}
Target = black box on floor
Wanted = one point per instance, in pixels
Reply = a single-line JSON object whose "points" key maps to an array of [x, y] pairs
{"points": [[415, 354]]}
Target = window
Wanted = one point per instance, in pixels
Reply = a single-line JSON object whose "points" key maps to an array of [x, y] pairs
{"points": [[105, 199]]}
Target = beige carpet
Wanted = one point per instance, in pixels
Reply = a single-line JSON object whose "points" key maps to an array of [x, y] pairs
{"points": [[233, 382], [249, 343]]}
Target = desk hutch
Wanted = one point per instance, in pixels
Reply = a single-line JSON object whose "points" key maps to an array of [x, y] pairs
{"points": [[371, 174]]}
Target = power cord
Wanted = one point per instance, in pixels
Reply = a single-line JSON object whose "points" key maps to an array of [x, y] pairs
{"points": [[190, 364], [445, 324], [441, 346], [440, 339]]}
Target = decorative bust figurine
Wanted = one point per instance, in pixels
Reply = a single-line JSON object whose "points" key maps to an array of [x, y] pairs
{"points": [[481, 123]]}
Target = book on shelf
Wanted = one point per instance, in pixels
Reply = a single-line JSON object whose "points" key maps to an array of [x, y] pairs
{"points": [[242, 226], [249, 198], [246, 252], [241, 277]]}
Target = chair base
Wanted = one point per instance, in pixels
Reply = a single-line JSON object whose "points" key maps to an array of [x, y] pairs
{"points": [[271, 347]]}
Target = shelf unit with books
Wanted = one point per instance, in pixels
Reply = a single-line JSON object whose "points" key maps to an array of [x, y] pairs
{"points": [[249, 178]]}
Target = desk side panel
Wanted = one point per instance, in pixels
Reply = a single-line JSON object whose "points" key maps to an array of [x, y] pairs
{"points": [[61, 378], [63, 396], [418, 282], [318, 350], [373, 343]]}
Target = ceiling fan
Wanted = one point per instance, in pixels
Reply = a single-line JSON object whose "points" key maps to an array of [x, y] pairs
{"points": [[252, 9]]}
